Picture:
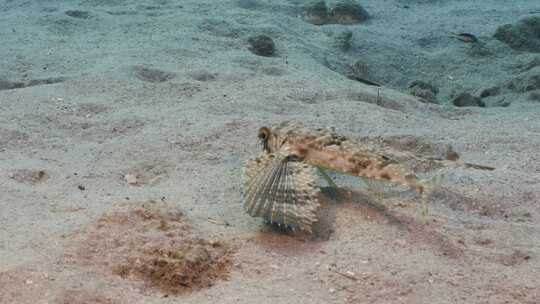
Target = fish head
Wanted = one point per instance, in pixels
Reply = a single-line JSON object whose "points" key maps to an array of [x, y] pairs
{"points": [[286, 142], [267, 139]]}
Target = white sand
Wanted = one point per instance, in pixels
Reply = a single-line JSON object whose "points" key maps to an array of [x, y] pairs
{"points": [[189, 138]]}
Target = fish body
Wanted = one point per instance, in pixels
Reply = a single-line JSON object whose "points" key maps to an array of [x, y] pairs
{"points": [[280, 185], [326, 149], [465, 37]]}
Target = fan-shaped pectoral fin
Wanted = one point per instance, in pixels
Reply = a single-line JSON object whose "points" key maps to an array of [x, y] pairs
{"points": [[281, 190]]}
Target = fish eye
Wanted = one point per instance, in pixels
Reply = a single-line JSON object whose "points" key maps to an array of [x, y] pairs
{"points": [[293, 158], [264, 133]]}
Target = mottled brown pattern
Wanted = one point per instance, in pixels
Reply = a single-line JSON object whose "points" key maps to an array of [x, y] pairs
{"points": [[279, 186]]}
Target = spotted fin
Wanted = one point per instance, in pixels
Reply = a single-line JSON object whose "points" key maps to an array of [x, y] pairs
{"points": [[281, 191]]}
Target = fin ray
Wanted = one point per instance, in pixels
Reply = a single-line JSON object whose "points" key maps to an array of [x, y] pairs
{"points": [[281, 191]]}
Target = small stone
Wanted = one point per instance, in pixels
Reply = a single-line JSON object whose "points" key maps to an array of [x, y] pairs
{"points": [[261, 45], [131, 179], [467, 100], [348, 12], [332, 290]]}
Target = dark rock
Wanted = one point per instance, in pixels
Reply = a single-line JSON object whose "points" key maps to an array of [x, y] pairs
{"points": [[78, 14], [315, 12], [261, 45], [523, 35], [493, 91], [467, 100], [348, 12], [423, 90]]}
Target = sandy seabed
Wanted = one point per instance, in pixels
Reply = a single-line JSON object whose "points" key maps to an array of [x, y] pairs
{"points": [[124, 126]]}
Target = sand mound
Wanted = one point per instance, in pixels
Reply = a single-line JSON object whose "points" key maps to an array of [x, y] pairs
{"points": [[152, 245], [192, 264]]}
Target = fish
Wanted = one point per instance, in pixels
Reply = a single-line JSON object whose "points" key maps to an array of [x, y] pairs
{"points": [[465, 37], [280, 184]]}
